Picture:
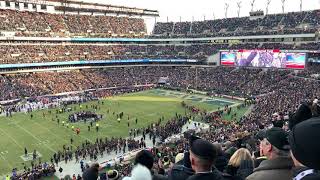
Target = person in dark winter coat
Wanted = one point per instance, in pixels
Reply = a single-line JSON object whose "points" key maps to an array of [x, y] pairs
{"points": [[182, 171], [275, 147], [221, 161], [91, 173]]}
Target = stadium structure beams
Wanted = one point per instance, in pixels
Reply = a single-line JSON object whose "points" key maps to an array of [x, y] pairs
{"points": [[72, 6]]}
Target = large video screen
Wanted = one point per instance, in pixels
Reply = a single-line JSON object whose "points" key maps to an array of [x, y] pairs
{"points": [[264, 58], [228, 58], [296, 60]]}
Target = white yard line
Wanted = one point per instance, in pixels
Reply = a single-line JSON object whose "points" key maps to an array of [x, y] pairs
{"points": [[28, 132], [52, 133], [8, 135]]}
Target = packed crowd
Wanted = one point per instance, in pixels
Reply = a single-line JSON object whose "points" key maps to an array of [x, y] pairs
{"points": [[27, 23], [13, 54], [36, 171], [313, 71], [220, 80], [235, 142], [244, 26], [276, 96], [35, 53], [251, 153]]}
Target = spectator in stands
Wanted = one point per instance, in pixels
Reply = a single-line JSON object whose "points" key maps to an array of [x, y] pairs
{"points": [[182, 170], [139, 172], [221, 161], [112, 175], [303, 113], [240, 164], [92, 172], [275, 147], [202, 156], [146, 159], [305, 148]]}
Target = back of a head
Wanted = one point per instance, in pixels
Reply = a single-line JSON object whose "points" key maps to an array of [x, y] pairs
{"points": [[145, 158], [305, 144], [240, 155], [140, 172], [218, 148], [202, 154], [91, 173], [303, 113], [67, 177]]}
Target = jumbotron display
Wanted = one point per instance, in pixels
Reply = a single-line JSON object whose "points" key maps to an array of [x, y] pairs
{"points": [[263, 58]]}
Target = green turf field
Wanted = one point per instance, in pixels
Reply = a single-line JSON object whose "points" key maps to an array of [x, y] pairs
{"points": [[46, 136]]}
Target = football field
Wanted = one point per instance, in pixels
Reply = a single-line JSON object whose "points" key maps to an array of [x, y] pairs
{"points": [[43, 133]]}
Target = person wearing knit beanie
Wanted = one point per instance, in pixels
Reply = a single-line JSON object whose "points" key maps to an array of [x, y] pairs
{"points": [[305, 148]]}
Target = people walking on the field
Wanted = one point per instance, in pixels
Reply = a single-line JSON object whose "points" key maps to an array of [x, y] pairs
{"points": [[97, 127], [34, 155]]}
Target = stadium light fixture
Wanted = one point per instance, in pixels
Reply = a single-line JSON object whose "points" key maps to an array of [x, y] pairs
{"points": [[252, 5], [239, 7], [267, 7], [226, 7], [283, 2]]}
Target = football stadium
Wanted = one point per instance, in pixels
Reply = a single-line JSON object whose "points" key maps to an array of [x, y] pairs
{"points": [[144, 90]]}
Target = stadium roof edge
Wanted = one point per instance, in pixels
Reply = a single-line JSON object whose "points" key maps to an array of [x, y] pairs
{"points": [[67, 3]]}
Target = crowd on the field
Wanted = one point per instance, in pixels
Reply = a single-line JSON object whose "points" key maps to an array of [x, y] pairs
{"points": [[235, 142], [245, 26], [37, 171]]}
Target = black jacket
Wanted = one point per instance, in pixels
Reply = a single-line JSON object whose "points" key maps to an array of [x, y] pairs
{"points": [[159, 177], [221, 162], [214, 175], [206, 176], [180, 172]]}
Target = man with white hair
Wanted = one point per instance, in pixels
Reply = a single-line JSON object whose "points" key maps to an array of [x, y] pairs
{"points": [[276, 148]]}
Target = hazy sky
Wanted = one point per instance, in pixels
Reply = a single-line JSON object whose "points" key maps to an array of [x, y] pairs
{"points": [[186, 9]]}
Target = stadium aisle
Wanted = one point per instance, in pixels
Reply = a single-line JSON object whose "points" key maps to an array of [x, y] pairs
{"points": [[73, 167]]}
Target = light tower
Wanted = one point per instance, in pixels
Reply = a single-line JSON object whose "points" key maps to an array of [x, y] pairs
{"points": [[226, 7], [252, 4], [268, 4], [301, 5], [283, 2], [239, 7]]}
